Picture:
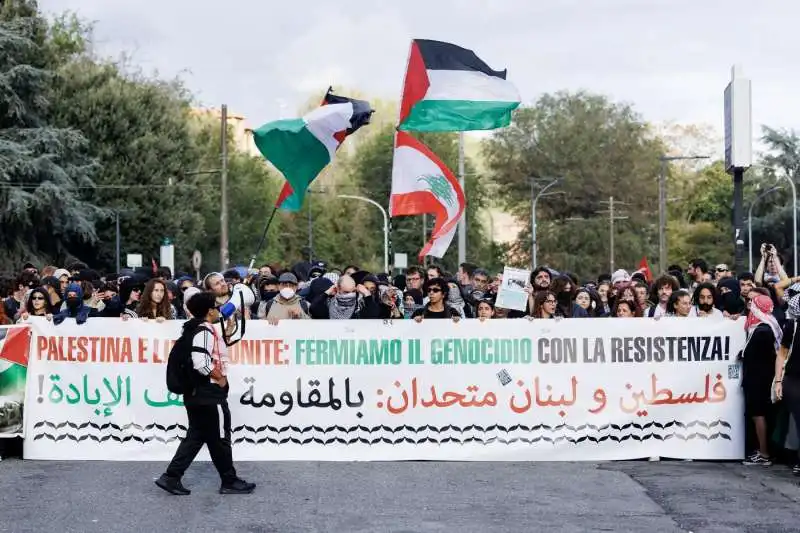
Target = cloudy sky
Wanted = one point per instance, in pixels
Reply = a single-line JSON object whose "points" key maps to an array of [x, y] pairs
{"points": [[670, 58]]}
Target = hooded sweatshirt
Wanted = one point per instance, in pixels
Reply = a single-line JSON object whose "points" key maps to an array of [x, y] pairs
{"points": [[77, 310]]}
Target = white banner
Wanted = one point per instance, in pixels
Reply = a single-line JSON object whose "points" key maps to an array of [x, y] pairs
{"points": [[572, 390]]}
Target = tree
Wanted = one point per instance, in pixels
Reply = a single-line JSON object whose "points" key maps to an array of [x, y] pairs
{"points": [[140, 132], [600, 149], [43, 168]]}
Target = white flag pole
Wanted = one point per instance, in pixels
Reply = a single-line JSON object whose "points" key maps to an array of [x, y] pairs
{"points": [[462, 224]]}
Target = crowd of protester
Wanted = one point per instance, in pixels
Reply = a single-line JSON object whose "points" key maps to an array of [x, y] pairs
{"points": [[768, 299]]}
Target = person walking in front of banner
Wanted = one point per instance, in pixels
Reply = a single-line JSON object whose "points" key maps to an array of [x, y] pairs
{"points": [[200, 370], [758, 370]]}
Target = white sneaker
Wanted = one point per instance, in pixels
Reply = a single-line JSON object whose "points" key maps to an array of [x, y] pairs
{"points": [[654, 459]]}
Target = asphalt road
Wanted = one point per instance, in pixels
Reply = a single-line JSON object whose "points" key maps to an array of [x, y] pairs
{"points": [[399, 497]]}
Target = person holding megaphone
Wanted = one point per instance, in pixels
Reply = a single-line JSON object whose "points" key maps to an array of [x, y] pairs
{"points": [[233, 303]]}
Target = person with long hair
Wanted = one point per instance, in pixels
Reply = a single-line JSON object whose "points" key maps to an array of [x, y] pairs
{"points": [[544, 304], [758, 369], [154, 303], [704, 300], [37, 304]]}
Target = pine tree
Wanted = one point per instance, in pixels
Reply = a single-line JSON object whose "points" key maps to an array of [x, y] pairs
{"points": [[42, 169]]}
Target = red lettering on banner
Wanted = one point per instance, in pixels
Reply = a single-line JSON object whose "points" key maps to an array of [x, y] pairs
{"points": [[127, 352], [41, 346], [142, 350]]}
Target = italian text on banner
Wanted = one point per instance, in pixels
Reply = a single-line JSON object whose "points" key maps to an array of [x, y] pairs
{"points": [[575, 389], [14, 349]]}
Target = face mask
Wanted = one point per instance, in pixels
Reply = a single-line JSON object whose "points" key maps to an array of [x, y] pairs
{"points": [[269, 295], [73, 302], [287, 293], [705, 307]]}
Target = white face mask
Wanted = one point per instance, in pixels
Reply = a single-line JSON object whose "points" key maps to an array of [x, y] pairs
{"points": [[287, 293]]}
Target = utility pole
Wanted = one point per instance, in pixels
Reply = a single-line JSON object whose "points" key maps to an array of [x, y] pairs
{"points": [[424, 237], [612, 216], [534, 201], [462, 223], [223, 212]]}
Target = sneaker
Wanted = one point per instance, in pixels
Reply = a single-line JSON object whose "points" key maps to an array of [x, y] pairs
{"points": [[172, 485], [654, 459], [237, 486], [796, 470], [757, 460]]}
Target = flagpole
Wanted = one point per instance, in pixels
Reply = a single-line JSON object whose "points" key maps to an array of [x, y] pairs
{"points": [[462, 223], [263, 238]]}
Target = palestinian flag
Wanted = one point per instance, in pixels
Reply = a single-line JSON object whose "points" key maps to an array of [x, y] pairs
{"points": [[422, 184], [449, 88], [300, 148]]}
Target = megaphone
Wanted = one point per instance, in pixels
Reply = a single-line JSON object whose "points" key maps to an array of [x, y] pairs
{"points": [[242, 297]]}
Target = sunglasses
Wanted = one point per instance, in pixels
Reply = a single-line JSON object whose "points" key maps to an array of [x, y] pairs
{"points": [[34, 298], [722, 270], [434, 289]]}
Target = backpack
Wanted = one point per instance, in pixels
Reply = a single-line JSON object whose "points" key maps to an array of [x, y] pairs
{"points": [[179, 363]]}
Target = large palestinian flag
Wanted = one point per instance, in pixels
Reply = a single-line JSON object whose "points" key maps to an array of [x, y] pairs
{"points": [[422, 184], [300, 148], [449, 88]]}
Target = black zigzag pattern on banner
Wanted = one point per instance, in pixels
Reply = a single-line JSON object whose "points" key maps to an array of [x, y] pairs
{"points": [[297, 435]]}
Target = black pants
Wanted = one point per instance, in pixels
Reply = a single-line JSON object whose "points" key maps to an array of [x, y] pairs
{"points": [[209, 425], [791, 397]]}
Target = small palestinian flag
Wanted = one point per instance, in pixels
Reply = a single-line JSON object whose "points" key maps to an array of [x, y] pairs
{"points": [[422, 184], [449, 88], [300, 148]]}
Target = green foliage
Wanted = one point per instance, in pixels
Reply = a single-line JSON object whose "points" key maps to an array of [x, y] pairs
{"points": [[139, 129], [42, 168], [600, 149]]}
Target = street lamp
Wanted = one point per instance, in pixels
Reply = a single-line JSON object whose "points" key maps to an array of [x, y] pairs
{"points": [[662, 205], [794, 218], [385, 226], [750, 224], [533, 216]]}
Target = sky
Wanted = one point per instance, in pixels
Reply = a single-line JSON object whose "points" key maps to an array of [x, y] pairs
{"points": [[670, 59]]}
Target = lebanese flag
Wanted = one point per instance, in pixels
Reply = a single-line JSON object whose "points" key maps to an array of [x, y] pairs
{"points": [[449, 88], [422, 184], [301, 148]]}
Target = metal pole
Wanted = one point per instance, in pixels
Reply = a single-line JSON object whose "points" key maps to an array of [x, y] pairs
{"points": [[119, 264], [424, 236], [794, 220], [385, 226], [662, 217], [611, 231], [462, 223], [750, 222], [750, 238], [738, 242], [310, 230], [533, 228], [533, 218], [223, 213]]}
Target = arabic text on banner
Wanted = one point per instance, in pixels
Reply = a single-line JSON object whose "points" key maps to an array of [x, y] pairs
{"points": [[572, 389]]}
